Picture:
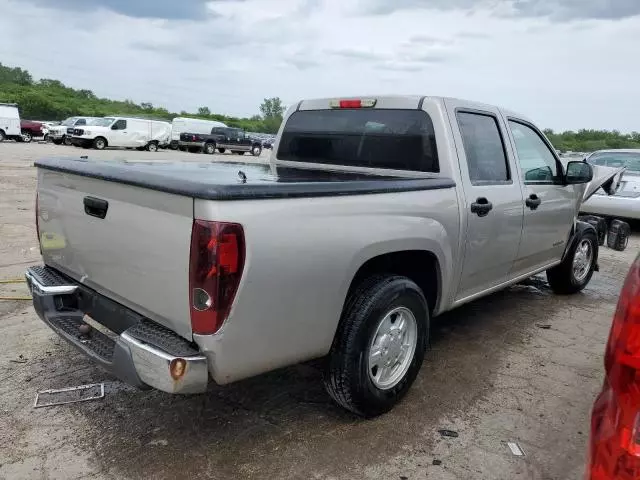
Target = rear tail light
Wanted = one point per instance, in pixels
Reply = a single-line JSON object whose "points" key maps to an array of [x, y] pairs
{"points": [[615, 423], [215, 268]]}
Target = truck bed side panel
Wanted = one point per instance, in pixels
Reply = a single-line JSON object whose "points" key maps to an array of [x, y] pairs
{"points": [[300, 263]]}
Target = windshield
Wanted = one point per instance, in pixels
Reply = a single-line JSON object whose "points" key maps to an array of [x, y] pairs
{"points": [[630, 160], [69, 122], [101, 122], [374, 138]]}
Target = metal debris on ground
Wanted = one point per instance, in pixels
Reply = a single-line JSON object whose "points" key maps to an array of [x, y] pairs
{"points": [[544, 326], [437, 462], [448, 433], [81, 393], [515, 449]]}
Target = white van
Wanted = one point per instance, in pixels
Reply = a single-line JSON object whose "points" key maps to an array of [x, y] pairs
{"points": [[124, 132], [190, 125], [9, 122]]}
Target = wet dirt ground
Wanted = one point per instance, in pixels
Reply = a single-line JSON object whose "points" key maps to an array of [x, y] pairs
{"points": [[522, 366]]}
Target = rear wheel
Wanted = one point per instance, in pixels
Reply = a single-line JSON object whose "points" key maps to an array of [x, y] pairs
{"points": [[3, 137], [379, 346], [27, 137], [237, 152], [209, 148], [57, 141], [222, 150], [576, 270], [152, 147], [173, 146], [100, 143], [256, 151]]}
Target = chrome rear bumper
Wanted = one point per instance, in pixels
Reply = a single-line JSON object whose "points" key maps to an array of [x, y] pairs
{"points": [[143, 354]]}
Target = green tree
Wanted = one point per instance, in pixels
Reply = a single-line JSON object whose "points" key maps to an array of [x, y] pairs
{"points": [[204, 111], [272, 108]]}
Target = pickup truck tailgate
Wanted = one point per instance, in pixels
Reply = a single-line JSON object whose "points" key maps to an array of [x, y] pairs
{"points": [[137, 254]]}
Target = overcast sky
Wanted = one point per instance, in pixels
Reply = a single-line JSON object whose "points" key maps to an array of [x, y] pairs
{"points": [[567, 64]]}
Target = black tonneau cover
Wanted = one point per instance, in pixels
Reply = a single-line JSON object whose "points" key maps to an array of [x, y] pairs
{"points": [[238, 181]]}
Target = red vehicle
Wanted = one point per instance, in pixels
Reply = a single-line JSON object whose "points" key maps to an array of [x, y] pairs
{"points": [[614, 450], [31, 129]]}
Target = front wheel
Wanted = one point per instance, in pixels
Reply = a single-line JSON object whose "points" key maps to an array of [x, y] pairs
{"points": [[222, 150], [99, 143], [66, 140], [27, 137], [3, 137], [57, 141], [209, 148], [576, 270], [379, 346], [256, 151]]}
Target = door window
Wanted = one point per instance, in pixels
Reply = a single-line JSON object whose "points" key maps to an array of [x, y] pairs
{"points": [[82, 121], [484, 149], [538, 163], [120, 125]]}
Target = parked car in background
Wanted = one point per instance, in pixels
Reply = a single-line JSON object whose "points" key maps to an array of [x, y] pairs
{"points": [[30, 130], [222, 139], [122, 132], [373, 216], [625, 202], [63, 132], [192, 125], [9, 122], [614, 444]]}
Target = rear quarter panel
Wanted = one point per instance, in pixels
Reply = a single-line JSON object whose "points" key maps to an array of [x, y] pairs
{"points": [[301, 257]]}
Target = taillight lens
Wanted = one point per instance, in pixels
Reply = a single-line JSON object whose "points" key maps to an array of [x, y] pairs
{"points": [[215, 268], [615, 422]]}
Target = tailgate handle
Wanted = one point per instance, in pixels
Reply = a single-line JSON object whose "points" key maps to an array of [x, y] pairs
{"points": [[96, 207]]}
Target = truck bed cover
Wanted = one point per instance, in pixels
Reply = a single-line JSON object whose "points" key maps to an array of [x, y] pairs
{"points": [[238, 181]]}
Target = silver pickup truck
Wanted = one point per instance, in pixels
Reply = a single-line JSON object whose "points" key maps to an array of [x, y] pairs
{"points": [[373, 216]]}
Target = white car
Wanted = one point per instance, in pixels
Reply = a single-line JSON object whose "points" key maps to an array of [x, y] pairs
{"points": [[625, 202], [62, 133], [123, 132]]}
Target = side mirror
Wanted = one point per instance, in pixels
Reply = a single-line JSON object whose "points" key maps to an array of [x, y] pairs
{"points": [[578, 172]]}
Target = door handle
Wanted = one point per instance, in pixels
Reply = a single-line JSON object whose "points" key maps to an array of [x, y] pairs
{"points": [[95, 207], [481, 207], [533, 202]]}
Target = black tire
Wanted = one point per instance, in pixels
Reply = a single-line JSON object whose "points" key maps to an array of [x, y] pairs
{"points": [[222, 150], [152, 146], [57, 141], [139, 149], [256, 150], [347, 378], [100, 143], [66, 140], [194, 149], [236, 152], [182, 149], [27, 137], [562, 278], [618, 237], [209, 148], [3, 136], [173, 146]]}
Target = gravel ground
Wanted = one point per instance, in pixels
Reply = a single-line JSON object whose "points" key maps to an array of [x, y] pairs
{"points": [[492, 374]]}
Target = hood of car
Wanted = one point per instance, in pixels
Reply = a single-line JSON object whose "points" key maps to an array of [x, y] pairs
{"points": [[607, 178]]}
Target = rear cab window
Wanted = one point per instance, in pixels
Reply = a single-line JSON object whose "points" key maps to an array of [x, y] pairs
{"points": [[367, 137]]}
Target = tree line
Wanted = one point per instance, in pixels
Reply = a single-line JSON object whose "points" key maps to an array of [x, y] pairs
{"points": [[48, 99]]}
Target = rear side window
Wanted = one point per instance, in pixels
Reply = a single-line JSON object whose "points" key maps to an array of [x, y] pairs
{"points": [[82, 121], [373, 138], [484, 148]]}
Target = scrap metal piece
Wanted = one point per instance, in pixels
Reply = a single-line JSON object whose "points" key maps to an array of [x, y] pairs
{"points": [[69, 389], [515, 449]]}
